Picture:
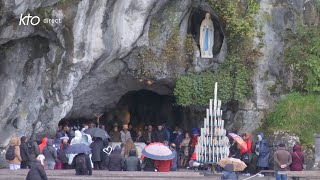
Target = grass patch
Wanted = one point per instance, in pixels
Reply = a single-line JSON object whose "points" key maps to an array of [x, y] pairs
{"points": [[299, 114]]}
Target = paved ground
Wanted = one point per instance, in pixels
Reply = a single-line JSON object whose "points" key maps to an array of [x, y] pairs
{"points": [[6, 174]]}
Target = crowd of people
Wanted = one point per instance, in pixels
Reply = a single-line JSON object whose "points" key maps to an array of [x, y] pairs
{"points": [[50, 153]]}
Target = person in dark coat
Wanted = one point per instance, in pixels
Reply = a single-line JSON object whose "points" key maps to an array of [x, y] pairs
{"points": [[148, 164], [24, 153], [50, 153], [282, 161], [235, 150], [62, 155], [297, 160], [262, 150], [37, 171], [88, 168], [140, 137], [132, 163], [228, 173], [33, 149], [97, 150], [160, 134], [114, 160], [148, 135]]}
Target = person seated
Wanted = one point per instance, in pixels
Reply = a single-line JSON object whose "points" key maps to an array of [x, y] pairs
{"points": [[114, 160], [37, 171], [82, 164], [163, 165], [132, 163], [148, 164], [228, 173]]}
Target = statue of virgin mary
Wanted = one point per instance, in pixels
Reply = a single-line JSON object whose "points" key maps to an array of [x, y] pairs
{"points": [[206, 37]]}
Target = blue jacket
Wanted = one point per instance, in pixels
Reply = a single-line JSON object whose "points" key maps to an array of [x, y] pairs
{"points": [[264, 152], [174, 164]]}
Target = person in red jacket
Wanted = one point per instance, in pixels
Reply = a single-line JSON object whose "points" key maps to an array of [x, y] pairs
{"points": [[297, 159], [43, 144], [246, 153], [163, 165]]}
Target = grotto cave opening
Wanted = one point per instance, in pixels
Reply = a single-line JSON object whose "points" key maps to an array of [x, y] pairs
{"points": [[144, 107], [196, 17]]}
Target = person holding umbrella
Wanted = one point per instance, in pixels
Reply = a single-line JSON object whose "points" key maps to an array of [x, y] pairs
{"points": [[81, 162], [97, 149], [230, 165], [161, 155], [228, 173]]}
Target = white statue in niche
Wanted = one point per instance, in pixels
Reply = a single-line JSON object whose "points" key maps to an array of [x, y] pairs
{"points": [[206, 37]]}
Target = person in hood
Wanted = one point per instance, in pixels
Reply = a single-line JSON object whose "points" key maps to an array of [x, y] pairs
{"points": [[114, 160], [262, 150], [282, 161], [132, 163], [33, 149], [97, 150], [50, 153], [297, 160], [228, 173], [24, 153], [194, 140], [246, 153], [43, 144], [15, 163], [76, 140], [37, 171]]}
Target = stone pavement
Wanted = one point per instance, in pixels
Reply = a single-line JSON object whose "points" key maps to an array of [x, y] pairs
{"points": [[6, 174]]}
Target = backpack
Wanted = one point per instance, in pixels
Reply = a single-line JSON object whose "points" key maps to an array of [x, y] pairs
{"points": [[10, 154], [81, 162]]}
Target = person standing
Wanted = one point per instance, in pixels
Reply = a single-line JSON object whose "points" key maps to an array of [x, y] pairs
{"points": [[132, 163], [133, 133], [160, 135], [82, 164], [37, 171], [24, 153], [13, 154], [115, 134], [125, 134], [185, 150], [174, 160], [140, 138], [33, 150], [50, 153], [297, 159], [43, 144], [262, 150], [148, 135], [97, 150], [282, 161], [62, 155], [246, 153]]}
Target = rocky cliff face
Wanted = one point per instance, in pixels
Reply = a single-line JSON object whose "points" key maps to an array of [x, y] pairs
{"points": [[103, 49], [88, 61]]}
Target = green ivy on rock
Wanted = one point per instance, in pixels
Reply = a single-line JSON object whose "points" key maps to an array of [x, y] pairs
{"points": [[233, 81]]}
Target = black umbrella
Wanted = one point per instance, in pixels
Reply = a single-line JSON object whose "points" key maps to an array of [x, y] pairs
{"points": [[97, 132], [77, 149]]}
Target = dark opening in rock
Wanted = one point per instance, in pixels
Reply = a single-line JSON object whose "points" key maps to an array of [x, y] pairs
{"points": [[197, 16]]}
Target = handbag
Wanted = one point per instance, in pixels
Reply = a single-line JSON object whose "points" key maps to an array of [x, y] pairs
{"points": [[246, 158], [303, 165]]}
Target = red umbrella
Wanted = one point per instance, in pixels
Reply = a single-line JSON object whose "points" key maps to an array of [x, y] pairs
{"points": [[239, 140]]}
